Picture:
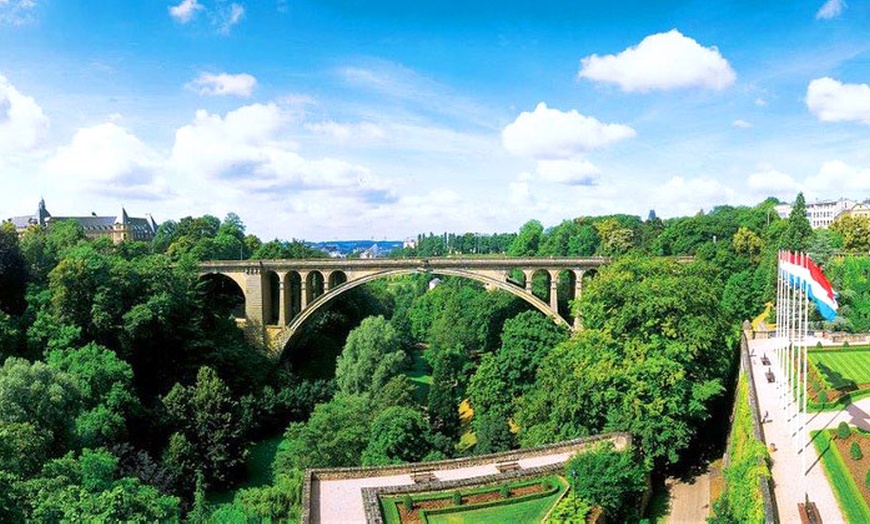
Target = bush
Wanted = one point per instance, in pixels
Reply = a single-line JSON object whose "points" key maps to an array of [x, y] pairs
{"points": [[608, 478], [506, 492], [843, 430], [845, 344], [867, 479], [819, 344], [457, 498], [823, 398], [408, 502], [855, 451]]}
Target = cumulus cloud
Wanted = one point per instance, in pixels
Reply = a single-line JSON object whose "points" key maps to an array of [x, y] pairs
{"points": [[247, 147], [347, 131], [773, 183], [108, 159], [23, 125], [682, 196], [185, 11], [831, 9], [741, 124], [223, 84], [661, 61], [548, 134], [833, 101], [836, 177], [570, 172]]}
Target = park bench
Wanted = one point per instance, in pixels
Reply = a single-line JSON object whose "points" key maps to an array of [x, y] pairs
{"points": [[421, 477], [770, 376], [504, 467], [765, 360]]}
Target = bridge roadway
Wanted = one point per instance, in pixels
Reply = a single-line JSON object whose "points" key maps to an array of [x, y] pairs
{"points": [[280, 295]]}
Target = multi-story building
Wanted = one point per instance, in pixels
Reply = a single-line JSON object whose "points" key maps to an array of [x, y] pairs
{"points": [[822, 213], [118, 228]]}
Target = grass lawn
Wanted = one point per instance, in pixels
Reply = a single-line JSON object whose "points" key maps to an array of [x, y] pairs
{"points": [[528, 511], [421, 375], [259, 469], [848, 495], [843, 369]]}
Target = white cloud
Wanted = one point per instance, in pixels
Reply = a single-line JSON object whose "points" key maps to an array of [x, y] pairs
{"points": [[23, 125], [836, 178], [185, 11], [547, 134], [741, 124], [230, 17], [773, 183], [570, 172], [107, 159], [760, 102], [834, 101], [680, 196], [344, 132], [661, 61], [248, 149], [17, 12], [831, 9], [223, 84]]}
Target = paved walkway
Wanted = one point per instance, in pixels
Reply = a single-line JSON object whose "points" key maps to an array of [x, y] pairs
{"points": [[789, 484], [690, 501]]}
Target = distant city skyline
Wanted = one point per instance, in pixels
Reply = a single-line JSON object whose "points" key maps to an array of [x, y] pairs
{"points": [[380, 120]]}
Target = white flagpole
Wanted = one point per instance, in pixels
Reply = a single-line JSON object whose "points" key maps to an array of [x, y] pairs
{"points": [[804, 432]]}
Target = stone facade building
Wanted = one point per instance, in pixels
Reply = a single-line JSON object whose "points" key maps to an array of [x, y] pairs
{"points": [[119, 228]]}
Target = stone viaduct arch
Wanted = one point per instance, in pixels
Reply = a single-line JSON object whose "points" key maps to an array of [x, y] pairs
{"points": [[280, 295]]}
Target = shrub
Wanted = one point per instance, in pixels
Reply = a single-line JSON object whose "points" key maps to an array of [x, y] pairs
{"points": [[819, 344], [408, 502], [457, 498], [867, 479], [506, 492], [843, 430], [823, 398], [845, 344], [855, 451]]}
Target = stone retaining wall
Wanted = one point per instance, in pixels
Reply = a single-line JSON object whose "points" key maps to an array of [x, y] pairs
{"points": [[620, 441]]}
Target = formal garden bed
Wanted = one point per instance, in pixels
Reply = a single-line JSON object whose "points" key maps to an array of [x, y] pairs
{"points": [[838, 376], [848, 470], [493, 503]]}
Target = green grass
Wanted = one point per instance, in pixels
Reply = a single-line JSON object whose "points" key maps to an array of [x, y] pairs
{"points": [[842, 369], [421, 375], [527, 511], [848, 496], [259, 470]]}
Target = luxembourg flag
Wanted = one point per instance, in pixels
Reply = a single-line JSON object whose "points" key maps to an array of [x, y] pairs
{"points": [[803, 273]]}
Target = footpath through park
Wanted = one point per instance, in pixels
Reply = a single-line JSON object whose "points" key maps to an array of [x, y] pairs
{"points": [[787, 461]]}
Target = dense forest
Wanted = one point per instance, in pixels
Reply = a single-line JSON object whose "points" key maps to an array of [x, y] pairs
{"points": [[125, 393]]}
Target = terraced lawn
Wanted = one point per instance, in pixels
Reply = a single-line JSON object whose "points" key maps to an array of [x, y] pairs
{"points": [[528, 511], [843, 369], [421, 375]]}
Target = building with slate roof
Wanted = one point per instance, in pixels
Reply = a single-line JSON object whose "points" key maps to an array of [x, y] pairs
{"points": [[118, 228]]}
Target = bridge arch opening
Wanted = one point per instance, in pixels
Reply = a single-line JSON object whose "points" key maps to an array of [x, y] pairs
{"points": [[225, 294], [314, 286], [541, 284], [517, 278], [272, 298], [292, 294], [567, 287], [337, 278]]}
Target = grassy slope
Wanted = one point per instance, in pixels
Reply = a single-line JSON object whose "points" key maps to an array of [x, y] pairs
{"points": [[259, 470], [843, 368], [421, 375], [848, 497]]}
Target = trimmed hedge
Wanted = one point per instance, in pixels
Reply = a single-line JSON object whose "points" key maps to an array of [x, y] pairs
{"points": [[424, 514], [848, 495]]}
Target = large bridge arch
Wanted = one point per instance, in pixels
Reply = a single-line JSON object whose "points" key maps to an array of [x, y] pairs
{"points": [[289, 333]]}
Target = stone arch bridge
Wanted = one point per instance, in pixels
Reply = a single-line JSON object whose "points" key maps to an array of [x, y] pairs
{"points": [[280, 295]]}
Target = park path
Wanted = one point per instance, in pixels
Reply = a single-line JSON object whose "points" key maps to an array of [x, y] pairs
{"points": [[689, 500], [789, 484]]}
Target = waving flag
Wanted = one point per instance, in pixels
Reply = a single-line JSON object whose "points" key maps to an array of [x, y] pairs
{"points": [[804, 274]]}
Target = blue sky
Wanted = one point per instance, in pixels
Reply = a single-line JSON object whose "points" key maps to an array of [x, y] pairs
{"points": [[355, 119]]}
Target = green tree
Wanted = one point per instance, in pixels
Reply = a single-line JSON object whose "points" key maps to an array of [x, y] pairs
{"points": [[798, 231], [527, 241], [615, 238], [372, 355], [613, 480], [207, 416], [855, 232], [13, 272], [399, 434]]}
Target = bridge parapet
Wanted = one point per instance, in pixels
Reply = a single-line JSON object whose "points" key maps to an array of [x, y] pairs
{"points": [[280, 295]]}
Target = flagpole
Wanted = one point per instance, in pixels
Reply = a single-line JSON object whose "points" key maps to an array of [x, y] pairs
{"points": [[804, 433]]}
